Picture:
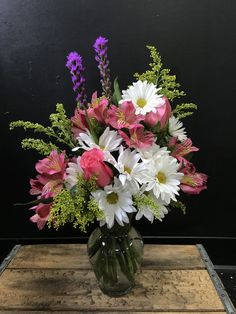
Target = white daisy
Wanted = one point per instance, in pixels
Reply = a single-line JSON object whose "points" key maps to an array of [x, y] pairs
{"points": [[176, 129], [132, 172], [164, 178], [116, 202], [108, 142], [148, 213], [154, 151], [72, 172], [144, 96]]}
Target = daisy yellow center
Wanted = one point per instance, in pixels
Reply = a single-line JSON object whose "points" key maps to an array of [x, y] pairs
{"points": [[102, 147], [141, 102], [112, 198], [127, 169], [161, 177]]}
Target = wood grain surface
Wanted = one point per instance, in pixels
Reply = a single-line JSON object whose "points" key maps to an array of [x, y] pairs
{"points": [[75, 256], [106, 312], [44, 278]]}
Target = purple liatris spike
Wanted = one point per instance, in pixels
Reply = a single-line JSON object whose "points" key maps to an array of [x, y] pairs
{"points": [[100, 47], [75, 65]]}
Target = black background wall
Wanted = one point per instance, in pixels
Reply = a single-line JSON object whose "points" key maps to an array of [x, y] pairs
{"points": [[196, 40]]}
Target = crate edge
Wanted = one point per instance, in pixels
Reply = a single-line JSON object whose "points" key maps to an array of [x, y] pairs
{"points": [[9, 258], [222, 293]]}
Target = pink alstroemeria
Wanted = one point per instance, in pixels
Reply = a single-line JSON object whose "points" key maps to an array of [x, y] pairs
{"points": [[54, 163], [36, 186], [138, 137], [123, 116], [179, 150], [49, 183], [42, 212], [98, 108], [162, 114], [79, 123], [193, 183], [52, 184], [182, 149]]}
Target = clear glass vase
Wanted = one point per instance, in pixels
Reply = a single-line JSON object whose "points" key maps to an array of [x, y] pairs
{"points": [[115, 255]]}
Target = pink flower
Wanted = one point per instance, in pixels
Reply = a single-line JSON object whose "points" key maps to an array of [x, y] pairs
{"points": [[52, 164], [47, 184], [92, 163], [186, 166], [193, 183], [36, 186], [162, 114], [123, 116], [138, 137], [183, 148], [79, 123], [52, 184], [98, 108], [42, 212]]}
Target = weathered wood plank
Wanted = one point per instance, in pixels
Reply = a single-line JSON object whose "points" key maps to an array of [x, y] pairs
{"points": [[52, 256], [74, 256], [98, 312], [172, 257], [64, 290]]}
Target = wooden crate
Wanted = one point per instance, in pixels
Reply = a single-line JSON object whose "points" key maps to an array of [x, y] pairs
{"points": [[58, 278]]}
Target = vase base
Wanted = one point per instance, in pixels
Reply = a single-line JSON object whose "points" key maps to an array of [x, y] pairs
{"points": [[117, 293]]}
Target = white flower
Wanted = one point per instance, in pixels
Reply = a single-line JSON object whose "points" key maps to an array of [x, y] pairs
{"points": [[144, 96], [72, 172], [116, 202], [164, 178], [108, 142], [147, 212], [144, 211], [176, 129], [154, 151], [131, 171]]}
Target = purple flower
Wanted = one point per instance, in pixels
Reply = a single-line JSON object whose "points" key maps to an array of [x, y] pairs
{"points": [[100, 41], [100, 47], [75, 65]]}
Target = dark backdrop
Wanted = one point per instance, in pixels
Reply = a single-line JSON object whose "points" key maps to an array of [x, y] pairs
{"points": [[196, 40]]}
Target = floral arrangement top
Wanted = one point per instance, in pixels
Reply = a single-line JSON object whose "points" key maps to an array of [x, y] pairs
{"points": [[122, 155]]}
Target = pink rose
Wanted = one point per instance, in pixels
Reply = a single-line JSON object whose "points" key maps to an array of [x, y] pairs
{"points": [[92, 163], [161, 115]]}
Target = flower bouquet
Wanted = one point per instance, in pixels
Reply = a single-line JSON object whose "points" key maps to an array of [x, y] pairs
{"points": [[121, 156]]}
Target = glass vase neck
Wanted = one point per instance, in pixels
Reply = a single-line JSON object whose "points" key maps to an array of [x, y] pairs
{"points": [[116, 230]]}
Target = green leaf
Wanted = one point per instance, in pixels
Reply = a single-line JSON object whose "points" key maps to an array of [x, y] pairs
{"points": [[91, 128], [179, 205], [113, 168], [36, 202], [156, 128], [184, 110], [160, 77], [117, 94]]}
